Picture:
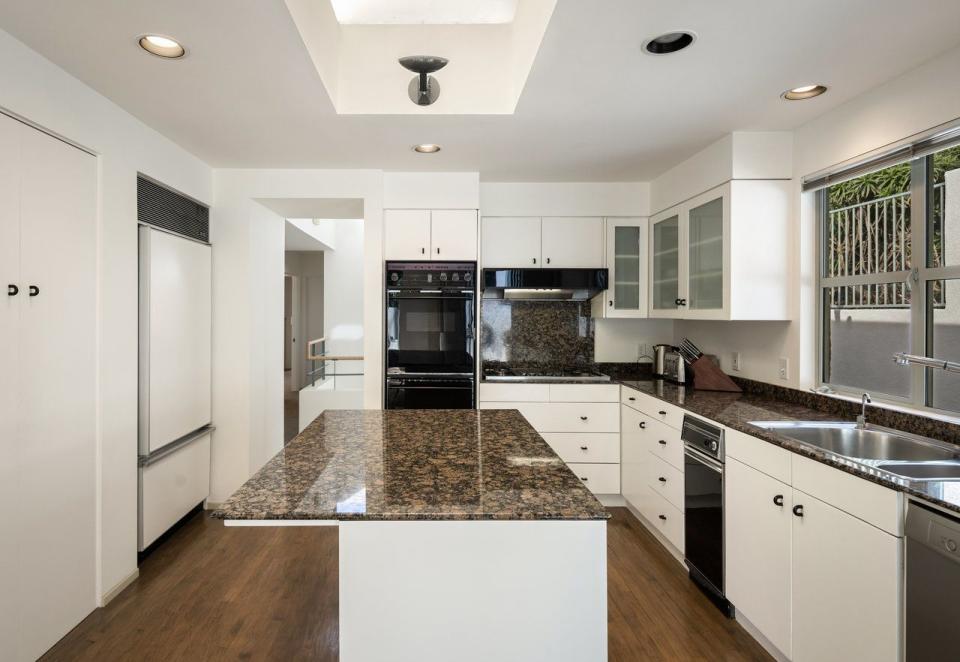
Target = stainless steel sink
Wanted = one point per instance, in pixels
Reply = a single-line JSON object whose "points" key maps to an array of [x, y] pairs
{"points": [[925, 471]]}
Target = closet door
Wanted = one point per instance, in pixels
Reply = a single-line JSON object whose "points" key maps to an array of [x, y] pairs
{"points": [[9, 391], [58, 208]]}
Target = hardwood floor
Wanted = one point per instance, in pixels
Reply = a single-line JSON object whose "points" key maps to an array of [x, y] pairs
{"points": [[217, 593]]}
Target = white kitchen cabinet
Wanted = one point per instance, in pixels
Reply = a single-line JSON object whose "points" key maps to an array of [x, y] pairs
{"points": [[48, 213], [758, 556], [723, 254], [626, 260], [423, 234], [572, 242], [453, 234], [510, 242], [634, 457], [532, 242], [846, 585], [406, 234]]}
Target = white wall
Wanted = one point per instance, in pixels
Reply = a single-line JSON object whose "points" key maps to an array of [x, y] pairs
{"points": [[248, 299], [620, 340], [307, 267], [917, 101], [431, 190], [343, 298], [564, 199], [37, 90]]}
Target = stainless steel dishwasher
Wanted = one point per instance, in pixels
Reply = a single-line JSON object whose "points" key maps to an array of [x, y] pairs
{"points": [[933, 584]]}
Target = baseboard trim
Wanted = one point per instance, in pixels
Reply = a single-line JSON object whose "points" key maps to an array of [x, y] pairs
{"points": [[212, 505], [118, 589], [611, 500], [676, 553], [751, 629]]}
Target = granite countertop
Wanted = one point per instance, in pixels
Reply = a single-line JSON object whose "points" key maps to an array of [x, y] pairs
{"points": [[736, 410], [415, 465]]}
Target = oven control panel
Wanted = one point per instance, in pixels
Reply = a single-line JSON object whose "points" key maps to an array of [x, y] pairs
{"points": [[453, 275]]}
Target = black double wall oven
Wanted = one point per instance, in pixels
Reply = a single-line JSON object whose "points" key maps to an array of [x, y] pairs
{"points": [[431, 313]]}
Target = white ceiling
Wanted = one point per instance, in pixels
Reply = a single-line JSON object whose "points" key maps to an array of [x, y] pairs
{"points": [[594, 108], [436, 12]]}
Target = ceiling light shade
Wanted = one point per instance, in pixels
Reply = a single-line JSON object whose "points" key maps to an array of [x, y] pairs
{"points": [[804, 92], [669, 42], [424, 88], [162, 46], [427, 148]]}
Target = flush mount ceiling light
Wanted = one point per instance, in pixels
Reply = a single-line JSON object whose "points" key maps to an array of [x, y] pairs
{"points": [[424, 88], [161, 46], [804, 92], [670, 42], [426, 148]]}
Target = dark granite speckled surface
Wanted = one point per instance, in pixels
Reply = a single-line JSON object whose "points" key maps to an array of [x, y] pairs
{"points": [[415, 465], [770, 403]]}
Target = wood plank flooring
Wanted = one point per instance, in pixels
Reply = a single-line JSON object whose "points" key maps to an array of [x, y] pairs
{"points": [[217, 593]]}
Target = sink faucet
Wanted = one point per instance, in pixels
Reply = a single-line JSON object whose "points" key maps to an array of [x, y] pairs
{"points": [[862, 418]]}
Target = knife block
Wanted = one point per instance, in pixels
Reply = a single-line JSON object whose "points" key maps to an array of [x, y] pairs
{"points": [[707, 376]]}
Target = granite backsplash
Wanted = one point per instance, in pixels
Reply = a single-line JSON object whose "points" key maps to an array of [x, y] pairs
{"points": [[536, 332]]}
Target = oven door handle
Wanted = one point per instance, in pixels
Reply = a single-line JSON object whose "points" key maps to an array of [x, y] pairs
{"points": [[703, 459]]}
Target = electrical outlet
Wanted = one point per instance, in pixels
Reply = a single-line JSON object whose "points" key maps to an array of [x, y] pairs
{"points": [[736, 361], [784, 368]]}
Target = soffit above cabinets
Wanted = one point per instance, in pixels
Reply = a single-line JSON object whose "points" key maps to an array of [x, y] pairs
{"points": [[355, 47]]}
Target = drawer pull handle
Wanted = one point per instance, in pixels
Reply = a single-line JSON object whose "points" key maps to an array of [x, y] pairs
{"points": [[662, 442], [662, 479], [778, 500], [583, 478], [583, 448], [632, 399], [643, 426], [663, 517], [583, 418], [798, 510], [662, 413]]}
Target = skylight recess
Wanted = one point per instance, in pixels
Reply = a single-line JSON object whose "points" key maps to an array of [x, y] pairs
{"points": [[424, 12]]}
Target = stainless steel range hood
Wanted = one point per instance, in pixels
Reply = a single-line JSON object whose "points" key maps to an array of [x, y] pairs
{"points": [[544, 284]]}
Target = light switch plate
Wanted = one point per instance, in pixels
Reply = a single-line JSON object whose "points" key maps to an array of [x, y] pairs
{"points": [[736, 361], [784, 368]]}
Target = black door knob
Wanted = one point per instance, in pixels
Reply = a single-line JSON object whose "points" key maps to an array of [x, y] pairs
{"points": [[798, 510], [34, 290], [611, 304], [12, 290], [663, 517], [438, 251], [583, 448], [683, 302], [583, 418], [662, 479], [423, 251], [662, 442], [534, 260], [643, 426], [676, 302], [662, 413], [778, 500]]}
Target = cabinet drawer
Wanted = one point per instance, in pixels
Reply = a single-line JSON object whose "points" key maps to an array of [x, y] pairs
{"points": [[664, 517], [513, 392], [664, 442], [654, 407], [874, 504], [572, 416], [584, 393], [667, 481], [597, 447], [759, 454], [599, 478]]}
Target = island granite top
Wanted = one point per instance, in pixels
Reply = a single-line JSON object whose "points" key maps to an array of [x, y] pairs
{"points": [[445, 464]]}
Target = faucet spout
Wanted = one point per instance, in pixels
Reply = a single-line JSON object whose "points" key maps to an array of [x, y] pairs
{"points": [[862, 418]]}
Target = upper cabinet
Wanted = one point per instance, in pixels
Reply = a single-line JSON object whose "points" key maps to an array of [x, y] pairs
{"points": [[572, 242], [626, 260], [533, 242], [422, 234], [723, 254], [508, 241]]}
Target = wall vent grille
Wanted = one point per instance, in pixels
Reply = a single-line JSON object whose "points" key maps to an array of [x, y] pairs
{"points": [[162, 208]]}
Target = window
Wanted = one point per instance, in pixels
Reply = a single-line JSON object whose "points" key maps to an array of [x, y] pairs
{"points": [[890, 277]]}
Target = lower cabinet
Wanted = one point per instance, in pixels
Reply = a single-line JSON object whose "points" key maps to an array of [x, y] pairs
{"points": [[819, 583]]}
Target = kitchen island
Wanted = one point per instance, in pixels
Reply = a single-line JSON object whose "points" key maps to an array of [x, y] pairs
{"points": [[462, 535]]}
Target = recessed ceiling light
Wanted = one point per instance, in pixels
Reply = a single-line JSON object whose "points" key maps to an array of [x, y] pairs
{"points": [[426, 148], [161, 46], [670, 42], [804, 92]]}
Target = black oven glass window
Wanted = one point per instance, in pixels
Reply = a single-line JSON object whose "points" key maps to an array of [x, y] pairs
{"points": [[430, 334]]}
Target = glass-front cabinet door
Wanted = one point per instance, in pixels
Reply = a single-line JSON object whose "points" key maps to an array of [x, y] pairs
{"points": [[626, 295], [707, 272], [665, 281]]}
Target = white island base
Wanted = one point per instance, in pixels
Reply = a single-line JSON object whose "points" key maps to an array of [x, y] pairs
{"points": [[471, 591]]}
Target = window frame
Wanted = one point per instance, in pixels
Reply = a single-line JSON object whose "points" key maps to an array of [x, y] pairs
{"points": [[918, 277]]}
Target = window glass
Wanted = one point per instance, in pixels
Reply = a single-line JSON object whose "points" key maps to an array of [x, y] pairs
{"points": [[626, 286], [868, 227], [860, 338], [666, 263], [944, 342], [944, 206], [706, 256]]}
